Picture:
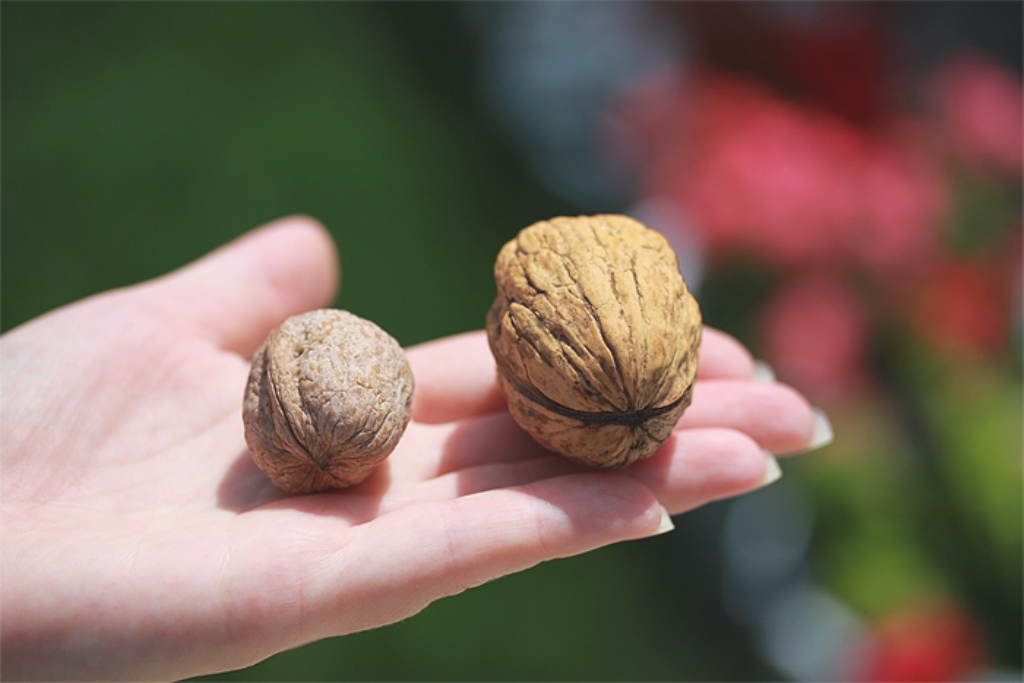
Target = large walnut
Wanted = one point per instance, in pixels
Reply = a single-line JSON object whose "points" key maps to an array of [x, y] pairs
{"points": [[329, 395], [595, 336]]}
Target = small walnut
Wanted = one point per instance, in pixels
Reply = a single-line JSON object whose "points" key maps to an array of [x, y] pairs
{"points": [[329, 395], [596, 337]]}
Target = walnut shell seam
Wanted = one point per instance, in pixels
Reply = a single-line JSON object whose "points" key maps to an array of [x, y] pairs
{"points": [[634, 418]]}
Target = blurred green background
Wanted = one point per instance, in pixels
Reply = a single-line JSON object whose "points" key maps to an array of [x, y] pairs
{"points": [[139, 136]]}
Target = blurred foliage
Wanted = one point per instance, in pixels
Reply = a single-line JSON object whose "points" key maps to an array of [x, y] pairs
{"points": [[138, 137], [921, 499]]}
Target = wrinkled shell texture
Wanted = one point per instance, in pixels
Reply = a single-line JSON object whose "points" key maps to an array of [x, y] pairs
{"points": [[596, 337], [329, 395]]}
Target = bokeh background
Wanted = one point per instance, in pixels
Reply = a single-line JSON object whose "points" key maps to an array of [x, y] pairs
{"points": [[842, 182]]}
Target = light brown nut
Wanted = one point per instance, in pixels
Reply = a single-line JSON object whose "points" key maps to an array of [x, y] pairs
{"points": [[329, 395], [596, 337]]}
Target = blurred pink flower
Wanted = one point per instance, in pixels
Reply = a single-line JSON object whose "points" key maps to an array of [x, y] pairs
{"points": [[926, 643], [964, 306], [796, 186], [982, 106], [903, 198], [760, 175], [814, 333]]}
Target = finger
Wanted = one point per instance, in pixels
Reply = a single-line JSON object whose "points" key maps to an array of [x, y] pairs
{"points": [[238, 293], [429, 451], [485, 440], [777, 417], [698, 466], [722, 357], [402, 561], [477, 479], [456, 376], [692, 468], [773, 416]]}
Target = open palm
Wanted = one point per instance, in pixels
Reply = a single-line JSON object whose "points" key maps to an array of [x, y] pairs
{"points": [[139, 540]]}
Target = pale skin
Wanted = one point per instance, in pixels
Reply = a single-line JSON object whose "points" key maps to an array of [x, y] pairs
{"points": [[140, 542]]}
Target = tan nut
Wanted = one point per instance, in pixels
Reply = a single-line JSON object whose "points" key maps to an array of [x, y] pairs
{"points": [[596, 337], [329, 395]]}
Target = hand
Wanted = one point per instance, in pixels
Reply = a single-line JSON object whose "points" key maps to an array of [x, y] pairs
{"points": [[139, 540]]}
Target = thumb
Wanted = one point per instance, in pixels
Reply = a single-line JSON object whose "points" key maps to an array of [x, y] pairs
{"points": [[241, 291]]}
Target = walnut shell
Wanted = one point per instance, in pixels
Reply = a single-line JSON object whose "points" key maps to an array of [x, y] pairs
{"points": [[596, 337], [329, 395]]}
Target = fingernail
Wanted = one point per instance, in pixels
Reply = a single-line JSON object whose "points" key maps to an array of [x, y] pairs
{"points": [[823, 435], [772, 471], [763, 372], [665, 525]]}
